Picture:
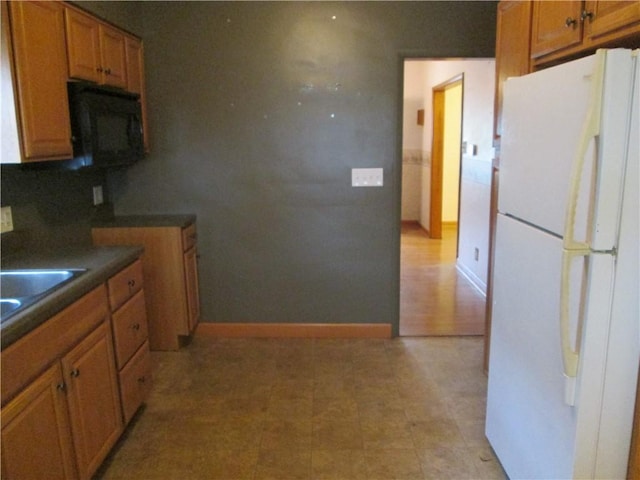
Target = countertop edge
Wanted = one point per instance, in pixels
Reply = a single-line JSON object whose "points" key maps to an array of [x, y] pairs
{"points": [[101, 264]]}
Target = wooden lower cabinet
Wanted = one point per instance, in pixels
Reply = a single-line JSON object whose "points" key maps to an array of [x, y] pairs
{"points": [[94, 399], [170, 274], [40, 410], [131, 338], [66, 421], [70, 387]]}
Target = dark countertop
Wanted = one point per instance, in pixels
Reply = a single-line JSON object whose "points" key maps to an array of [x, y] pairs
{"points": [[101, 263], [146, 221]]}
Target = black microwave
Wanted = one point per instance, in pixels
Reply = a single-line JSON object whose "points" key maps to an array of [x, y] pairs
{"points": [[106, 126]]}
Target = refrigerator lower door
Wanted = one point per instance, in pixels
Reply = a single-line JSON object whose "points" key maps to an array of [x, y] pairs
{"points": [[533, 430], [528, 424]]}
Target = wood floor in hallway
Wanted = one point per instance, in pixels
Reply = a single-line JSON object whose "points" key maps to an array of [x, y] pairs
{"points": [[435, 298]]}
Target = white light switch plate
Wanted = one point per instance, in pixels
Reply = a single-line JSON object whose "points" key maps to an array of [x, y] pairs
{"points": [[367, 177], [97, 195], [6, 220]]}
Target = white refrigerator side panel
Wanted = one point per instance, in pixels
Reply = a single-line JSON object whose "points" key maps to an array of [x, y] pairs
{"points": [[624, 337], [543, 118], [615, 131], [528, 424]]}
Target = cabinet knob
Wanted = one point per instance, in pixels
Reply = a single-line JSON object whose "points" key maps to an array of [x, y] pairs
{"points": [[131, 283], [75, 373], [136, 326], [99, 69], [585, 14], [142, 380], [61, 386], [108, 71], [570, 22]]}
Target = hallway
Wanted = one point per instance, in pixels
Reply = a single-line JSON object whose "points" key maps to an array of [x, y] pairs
{"points": [[436, 299]]}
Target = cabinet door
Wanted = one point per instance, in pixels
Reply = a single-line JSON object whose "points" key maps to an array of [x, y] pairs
{"points": [[113, 57], [94, 406], [135, 79], [602, 17], [556, 25], [191, 284], [41, 70], [38, 412], [83, 46], [512, 49]]}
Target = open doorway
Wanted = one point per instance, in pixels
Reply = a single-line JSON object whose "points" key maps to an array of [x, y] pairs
{"points": [[442, 247]]}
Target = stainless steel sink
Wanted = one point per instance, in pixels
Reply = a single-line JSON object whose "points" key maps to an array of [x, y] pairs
{"points": [[20, 288], [8, 305]]}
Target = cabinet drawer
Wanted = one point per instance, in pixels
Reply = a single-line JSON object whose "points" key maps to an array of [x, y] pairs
{"points": [[129, 328], [135, 382], [189, 237], [125, 284]]}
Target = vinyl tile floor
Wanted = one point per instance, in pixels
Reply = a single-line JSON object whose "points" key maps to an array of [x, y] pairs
{"points": [[405, 408]]}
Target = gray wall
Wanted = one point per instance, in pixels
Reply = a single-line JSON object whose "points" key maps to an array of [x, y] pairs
{"points": [[258, 112]]}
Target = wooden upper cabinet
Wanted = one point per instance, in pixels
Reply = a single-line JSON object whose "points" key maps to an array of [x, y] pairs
{"points": [[96, 50], [135, 64], [512, 49], [604, 17], [556, 25], [134, 51], [567, 29], [113, 56], [83, 46], [40, 61]]}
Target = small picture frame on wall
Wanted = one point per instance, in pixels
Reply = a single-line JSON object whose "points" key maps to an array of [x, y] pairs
{"points": [[421, 116]]}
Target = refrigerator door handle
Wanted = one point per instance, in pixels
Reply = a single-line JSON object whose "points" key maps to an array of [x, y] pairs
{"points": [[570, 357], [590, 129], [572, 247]]}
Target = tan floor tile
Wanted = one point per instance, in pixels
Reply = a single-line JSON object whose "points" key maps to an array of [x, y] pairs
{"points": [[286, 434], [393, 465], [446, 463], [339, 408], [436, 433], [387, 433], [329, 434], [339, 465], [284, 465]]}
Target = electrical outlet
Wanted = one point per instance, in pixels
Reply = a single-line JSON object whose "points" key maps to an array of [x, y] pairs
{"points": [[97, 195], [6, 220], [366, 177]]}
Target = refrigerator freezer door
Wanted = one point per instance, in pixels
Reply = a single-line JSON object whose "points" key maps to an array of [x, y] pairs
{"points": [[554, 120], [543, 119]]}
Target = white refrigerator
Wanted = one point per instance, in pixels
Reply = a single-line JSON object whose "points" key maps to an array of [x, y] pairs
{"points": [[565, 336]]}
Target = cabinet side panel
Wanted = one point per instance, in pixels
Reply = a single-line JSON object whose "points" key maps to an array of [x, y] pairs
{"points": [[163, 267]]}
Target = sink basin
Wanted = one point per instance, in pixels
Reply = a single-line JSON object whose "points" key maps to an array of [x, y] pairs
{"points": [[20, 288], [8, 305]]}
